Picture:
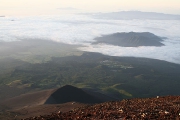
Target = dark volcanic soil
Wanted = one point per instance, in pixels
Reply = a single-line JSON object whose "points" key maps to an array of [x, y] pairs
{"points": [[48, 101], [44, 109], [160, 108]]}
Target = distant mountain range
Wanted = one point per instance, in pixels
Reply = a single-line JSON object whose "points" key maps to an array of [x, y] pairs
{"points": [[127, 15], [131, 39]]}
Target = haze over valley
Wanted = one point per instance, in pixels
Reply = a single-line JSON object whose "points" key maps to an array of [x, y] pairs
{"points": [[70, 59], [83, 29]]}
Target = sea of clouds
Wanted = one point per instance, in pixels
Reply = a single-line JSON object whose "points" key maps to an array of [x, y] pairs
{"points": [[82, 29]]}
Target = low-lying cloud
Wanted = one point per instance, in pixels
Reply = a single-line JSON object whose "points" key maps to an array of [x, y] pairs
{"points": [[81, 29]]}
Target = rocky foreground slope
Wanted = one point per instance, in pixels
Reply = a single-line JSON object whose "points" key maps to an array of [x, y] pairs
{"points": [[159, 108]]}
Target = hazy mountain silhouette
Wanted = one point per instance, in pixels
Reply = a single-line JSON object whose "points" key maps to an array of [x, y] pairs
{"points": [[130, 39], [136, 15]]}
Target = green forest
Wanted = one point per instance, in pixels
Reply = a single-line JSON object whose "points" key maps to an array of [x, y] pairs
{"points": [[120, 77]]}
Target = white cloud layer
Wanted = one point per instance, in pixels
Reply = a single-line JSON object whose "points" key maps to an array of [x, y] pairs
{"points": [[79, 29]]}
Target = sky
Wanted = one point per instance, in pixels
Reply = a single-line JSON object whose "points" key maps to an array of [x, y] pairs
{"points": [[54, 7]]}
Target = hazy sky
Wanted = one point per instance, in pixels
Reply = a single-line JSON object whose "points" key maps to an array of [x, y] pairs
{"points": [[44, 7]]}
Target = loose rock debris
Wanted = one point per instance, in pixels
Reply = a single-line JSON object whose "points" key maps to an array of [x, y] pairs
{"points": [[161, 108]]}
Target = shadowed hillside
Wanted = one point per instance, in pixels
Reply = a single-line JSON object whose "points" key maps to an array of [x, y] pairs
{"points": [[69, 93], [61, 95], [48, 101]]}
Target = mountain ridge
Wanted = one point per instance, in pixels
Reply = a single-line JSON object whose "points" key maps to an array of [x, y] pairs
{"points": [[127, 15]]}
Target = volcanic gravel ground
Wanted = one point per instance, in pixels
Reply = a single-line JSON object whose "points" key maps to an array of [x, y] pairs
{"points": [[160, 108]]}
